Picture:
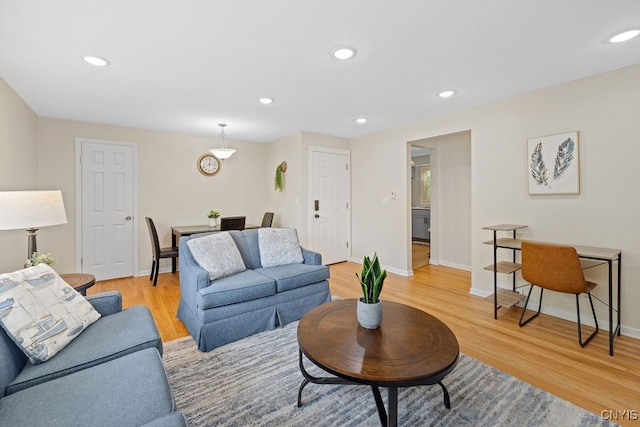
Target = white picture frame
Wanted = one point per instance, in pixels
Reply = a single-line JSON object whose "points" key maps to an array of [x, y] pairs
{"points": [[553, 164]]}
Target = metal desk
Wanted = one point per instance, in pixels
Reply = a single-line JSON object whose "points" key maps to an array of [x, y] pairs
{"points": [[603, 255]]}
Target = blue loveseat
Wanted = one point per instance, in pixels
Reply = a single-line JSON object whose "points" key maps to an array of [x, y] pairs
{"points": [[258, 299], [111, 374]]}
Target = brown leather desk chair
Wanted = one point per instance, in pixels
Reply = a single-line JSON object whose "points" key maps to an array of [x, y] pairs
{"points": [[267, 219], [232, 223], [557, 268], [157, 252]]}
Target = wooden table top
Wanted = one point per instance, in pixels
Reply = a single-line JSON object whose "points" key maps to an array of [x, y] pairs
{"points": [[410, 347], [79, 281], [186, 230]]}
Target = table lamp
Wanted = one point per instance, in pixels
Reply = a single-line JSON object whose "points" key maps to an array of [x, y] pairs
{"points": [[31, 210]]}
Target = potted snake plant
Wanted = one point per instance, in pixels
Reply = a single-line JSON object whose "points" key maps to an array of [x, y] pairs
{"points": [[369, 309]]}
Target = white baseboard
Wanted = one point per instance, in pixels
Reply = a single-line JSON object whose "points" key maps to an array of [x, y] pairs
{"points": [[480, 292], [162, 270], [567, 315], [455, 265], [405, 273]]}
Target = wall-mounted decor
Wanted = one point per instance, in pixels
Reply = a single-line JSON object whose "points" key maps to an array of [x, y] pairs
{"points": [[208, 164], [553, 165], [280, 169]]}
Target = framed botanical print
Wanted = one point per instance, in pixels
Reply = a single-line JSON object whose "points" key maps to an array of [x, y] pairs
{"points": [[553, 164]]}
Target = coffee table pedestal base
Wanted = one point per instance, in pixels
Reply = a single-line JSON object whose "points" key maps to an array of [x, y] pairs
{"points": [[386, 420]]}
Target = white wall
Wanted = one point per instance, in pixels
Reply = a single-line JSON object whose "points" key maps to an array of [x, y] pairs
{"points": [[170, 188], [451, 208], [603, 108], [293, 206], [286, 204], [18, 170]]}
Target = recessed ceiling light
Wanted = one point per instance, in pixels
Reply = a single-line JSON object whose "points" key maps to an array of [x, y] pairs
{"points": [[446, 93], [624, 36], [343, 52], [96, 61], [362, 120], [265, 101]]}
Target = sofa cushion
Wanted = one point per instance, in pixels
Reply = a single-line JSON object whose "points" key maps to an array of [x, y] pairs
{"points": [[293, 276], [109, 338], [127, 391], [247, 242], [240, 287], [12, 361], [279, 246], [218, 254], [41, 312]]}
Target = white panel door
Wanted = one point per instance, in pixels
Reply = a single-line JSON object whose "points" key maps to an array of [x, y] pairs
{"points": [[330, 205], [107, 209]]}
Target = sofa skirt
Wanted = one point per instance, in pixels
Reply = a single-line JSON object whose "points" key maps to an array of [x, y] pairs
{"points": [[217, 326]]}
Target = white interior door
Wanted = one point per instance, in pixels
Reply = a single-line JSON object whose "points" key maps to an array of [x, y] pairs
{"points": [[330, 204], [107, 209]]}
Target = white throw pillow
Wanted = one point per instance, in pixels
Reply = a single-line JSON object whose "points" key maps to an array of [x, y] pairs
{"points": [[218, 254], [41, 312], [279, 246]]}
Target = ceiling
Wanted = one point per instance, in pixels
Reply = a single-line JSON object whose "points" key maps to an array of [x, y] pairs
{"points": [[186, 66]]}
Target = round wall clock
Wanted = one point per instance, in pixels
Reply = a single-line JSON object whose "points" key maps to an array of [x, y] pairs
{"points": [[208, 164]]}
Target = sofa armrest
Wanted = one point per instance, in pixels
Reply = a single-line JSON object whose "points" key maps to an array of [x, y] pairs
{"points": [[311, 257], [192, 276], [106, 303]]}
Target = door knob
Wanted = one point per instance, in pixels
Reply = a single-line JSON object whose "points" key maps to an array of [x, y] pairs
{"points": [[128, 218], [317, 216]]}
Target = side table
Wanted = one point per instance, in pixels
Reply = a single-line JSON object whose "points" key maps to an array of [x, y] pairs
{"points": [[79, 281]]}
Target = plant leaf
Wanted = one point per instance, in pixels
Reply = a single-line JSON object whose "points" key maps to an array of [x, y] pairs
{"points": [[563, 158], [538, 168]]}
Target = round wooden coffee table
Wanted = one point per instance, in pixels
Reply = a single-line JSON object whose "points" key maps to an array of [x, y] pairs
{"points": [[409, 348]]}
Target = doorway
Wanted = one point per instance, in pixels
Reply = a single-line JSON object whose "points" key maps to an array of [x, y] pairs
{"points": [[106, 224], [420, 206], [449, 207]]}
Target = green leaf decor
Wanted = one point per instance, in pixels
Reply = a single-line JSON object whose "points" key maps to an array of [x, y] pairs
{"points": [[538, 168], [563, 158], [371, 279]]}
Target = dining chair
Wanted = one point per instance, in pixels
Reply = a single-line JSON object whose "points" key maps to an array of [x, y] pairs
{"points": [[157, 252], [232, 223], [556, 268], [267, 220]]}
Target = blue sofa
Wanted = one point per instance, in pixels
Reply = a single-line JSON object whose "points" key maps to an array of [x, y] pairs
{"points": [[255, 300], [110, 374]]}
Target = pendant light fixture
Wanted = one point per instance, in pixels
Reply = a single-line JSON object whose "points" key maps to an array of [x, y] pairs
{"points": [[223, 152]]}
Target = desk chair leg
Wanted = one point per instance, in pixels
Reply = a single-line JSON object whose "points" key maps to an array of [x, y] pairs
{"points": [[582, 344], [521, 323], [153, 267]]}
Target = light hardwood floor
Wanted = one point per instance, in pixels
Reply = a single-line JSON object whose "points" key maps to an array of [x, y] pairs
{"points": [[544, 353]]}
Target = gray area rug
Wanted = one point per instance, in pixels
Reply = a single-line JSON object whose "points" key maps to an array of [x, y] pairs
{"points": [[254, 382]]}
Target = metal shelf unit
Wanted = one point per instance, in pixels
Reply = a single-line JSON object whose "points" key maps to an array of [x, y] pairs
{"points": [[504, 297]]}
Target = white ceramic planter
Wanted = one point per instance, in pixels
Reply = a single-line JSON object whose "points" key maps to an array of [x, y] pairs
{"points": [[369, 315], [213, 222]]}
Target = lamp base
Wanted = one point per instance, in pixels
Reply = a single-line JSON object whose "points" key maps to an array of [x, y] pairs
{"points": [[32, 245]]}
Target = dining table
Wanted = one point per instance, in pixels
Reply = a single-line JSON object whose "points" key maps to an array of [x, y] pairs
{"points": [[177, 231]]}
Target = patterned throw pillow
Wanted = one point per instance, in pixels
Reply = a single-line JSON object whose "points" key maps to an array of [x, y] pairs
{"points": [[218, 254], [41, 312], [279, 246]]}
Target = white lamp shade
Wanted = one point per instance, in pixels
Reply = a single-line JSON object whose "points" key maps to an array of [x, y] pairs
{"points": [[222, 153], [31, 209]]}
